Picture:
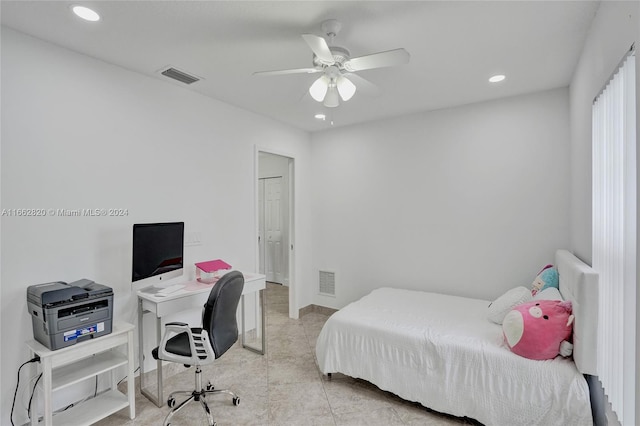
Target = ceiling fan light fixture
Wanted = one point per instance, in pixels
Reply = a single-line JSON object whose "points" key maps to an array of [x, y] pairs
{"points": [[332, 99], [346, 88], [318, 89]]}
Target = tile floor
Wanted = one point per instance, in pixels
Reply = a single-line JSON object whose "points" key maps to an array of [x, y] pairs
{"points": [[283, 387]]}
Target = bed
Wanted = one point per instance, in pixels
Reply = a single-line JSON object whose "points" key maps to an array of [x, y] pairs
{"points": [[442, 352]]}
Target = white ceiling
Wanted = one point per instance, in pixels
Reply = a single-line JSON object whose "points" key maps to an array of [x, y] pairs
{"points": [[455, 47]]}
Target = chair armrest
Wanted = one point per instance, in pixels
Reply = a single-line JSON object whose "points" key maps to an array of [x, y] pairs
{"points": [[176, 323], [199, 344]]}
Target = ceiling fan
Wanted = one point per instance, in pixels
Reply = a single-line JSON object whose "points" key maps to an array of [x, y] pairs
{"points": [[338, 67]]}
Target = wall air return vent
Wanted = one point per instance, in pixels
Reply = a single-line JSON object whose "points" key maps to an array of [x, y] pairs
{"points": [[181, 76], [327, 283]]}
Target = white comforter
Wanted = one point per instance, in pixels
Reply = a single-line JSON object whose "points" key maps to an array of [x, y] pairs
{"points": [[442, 352]]}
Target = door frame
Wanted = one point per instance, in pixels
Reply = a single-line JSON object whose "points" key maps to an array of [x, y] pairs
{"points": [[293, 305]]}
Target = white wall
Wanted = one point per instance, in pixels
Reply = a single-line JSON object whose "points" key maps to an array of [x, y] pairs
{"points": [[469, 201], [615, 27], [80, 133]]}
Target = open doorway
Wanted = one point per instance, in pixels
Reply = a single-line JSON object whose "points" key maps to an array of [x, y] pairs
{"points": [[274, 211]]}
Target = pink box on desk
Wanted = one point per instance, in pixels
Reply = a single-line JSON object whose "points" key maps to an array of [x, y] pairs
{"points": [[208, 272]]}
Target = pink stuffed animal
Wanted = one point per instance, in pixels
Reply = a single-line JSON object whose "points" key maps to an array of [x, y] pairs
{"points": [[539, 329]]}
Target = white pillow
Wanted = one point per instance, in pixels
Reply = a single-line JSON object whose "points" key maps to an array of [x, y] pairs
{"points": [[500, 307], [549, 293]]}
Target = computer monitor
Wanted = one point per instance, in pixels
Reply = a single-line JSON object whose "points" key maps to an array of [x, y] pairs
{"points": [[158, 252]]}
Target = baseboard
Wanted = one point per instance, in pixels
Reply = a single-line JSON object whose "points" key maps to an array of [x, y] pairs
{"points": [[316, 309]]}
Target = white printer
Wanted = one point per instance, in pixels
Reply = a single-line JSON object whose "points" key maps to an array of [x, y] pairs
{"points": [[63, 314]]}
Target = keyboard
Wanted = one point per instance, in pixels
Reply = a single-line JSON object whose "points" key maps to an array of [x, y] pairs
{"points": [[171, 289]]}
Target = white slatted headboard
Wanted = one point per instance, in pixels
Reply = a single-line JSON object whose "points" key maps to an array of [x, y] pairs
{"points": [[579, 283]]}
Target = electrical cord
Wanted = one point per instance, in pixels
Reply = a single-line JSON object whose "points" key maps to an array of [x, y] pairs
{"points": [[28, 391], [68, 406], [124, 378], [32, 393], [34, 359]]}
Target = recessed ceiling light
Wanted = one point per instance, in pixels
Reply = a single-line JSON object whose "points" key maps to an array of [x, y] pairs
{"points": [[320, 116], [497, 78], [86, 13]]}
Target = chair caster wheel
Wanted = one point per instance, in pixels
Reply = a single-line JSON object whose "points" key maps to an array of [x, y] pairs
{"points": [[171, 402], [210, 387], [236, 400]]}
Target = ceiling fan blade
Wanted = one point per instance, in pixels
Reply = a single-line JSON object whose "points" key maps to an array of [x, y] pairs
{"points": [[363, 85], [320, 48], [378, 60], [289, 71]]}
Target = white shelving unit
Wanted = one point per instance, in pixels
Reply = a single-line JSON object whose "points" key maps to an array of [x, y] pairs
{"points": [[68, 366]]}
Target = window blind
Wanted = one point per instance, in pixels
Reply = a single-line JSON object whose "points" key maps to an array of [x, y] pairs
{"points": [[614, 235]]}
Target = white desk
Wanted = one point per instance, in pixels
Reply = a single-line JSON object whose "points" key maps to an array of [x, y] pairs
{"points": [[193, 295], [73, 364]]}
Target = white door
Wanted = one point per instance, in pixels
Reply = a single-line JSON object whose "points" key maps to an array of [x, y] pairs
{"points": [[261, 225], [271, 234]]}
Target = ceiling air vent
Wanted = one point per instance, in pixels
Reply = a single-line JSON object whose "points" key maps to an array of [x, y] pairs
{"points": [[181, 76], [327, 283]]}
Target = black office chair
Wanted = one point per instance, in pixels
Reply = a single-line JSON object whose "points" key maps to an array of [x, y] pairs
{"points": [[201, 346]]}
